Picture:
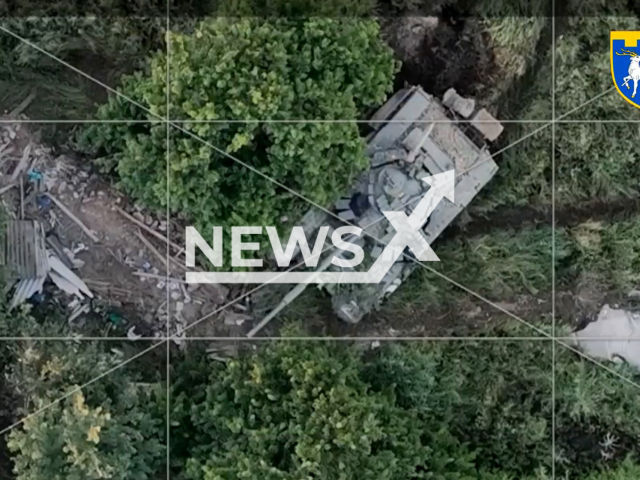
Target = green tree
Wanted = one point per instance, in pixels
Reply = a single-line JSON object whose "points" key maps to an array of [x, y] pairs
{"points": [[234, 73], [113, 428], [446, 410], [294, 411]]}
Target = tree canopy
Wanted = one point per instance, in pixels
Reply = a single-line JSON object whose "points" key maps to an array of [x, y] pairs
{"points": [[247, 89]]}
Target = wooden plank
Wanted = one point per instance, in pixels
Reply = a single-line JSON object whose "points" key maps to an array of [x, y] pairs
{"points": [[68, 213]]}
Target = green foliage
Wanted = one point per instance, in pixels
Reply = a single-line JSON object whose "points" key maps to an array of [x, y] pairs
{"points": [[516, 34], [449, 410], [496, 397], [584, 69], [102, 37], [294, 411], [503, 264], [249, 70], [112, 428], [593, 408], [626, 471], [592, 160], [297, 8], [88, 8], [73, 441], [498, 265], [101, 46], [520, 183], [609, 252], [492, 397], [597, 161]]}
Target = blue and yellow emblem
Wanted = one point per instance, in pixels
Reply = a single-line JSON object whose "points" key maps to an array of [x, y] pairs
{"points": [[625, 64]]}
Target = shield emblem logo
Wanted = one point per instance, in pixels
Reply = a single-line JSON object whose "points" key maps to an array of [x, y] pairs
{"points": [[625, 64]]}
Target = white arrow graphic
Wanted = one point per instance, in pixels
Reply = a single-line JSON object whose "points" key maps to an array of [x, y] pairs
{"points": [[408, 228], [408, 234]]}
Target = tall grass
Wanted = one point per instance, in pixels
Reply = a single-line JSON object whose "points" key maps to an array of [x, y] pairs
{"points": [[506, 264]]}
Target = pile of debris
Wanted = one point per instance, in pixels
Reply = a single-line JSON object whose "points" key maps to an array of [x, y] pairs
{"points": [[29, 257], [29, 262], [70, 234]]}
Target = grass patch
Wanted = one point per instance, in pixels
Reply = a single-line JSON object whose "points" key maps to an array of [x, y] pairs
{"points": [[524, 174], [505, 264], [596, 160], [610, 252], [518, 45], [592, 160]]}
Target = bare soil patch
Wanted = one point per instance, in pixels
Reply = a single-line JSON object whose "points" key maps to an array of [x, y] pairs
{"points": [[108, 266]]}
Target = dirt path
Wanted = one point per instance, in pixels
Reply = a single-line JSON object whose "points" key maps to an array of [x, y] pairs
{"points": [[470, 314], [618, 209], [467, 317]]}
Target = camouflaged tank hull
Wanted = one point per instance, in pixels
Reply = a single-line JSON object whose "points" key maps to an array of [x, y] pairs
{"points": [[414, 135]]}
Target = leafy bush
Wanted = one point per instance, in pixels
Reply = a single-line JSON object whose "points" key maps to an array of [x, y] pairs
{"points": [[492, 397], [449, 410], [72, 440], [294, 411], [249, 70], [113, 428]]}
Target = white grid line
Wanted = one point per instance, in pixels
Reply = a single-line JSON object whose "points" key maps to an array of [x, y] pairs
{"points": [[553, 239], [307, 338], [168, 263], [554, 338], [559, 120]]}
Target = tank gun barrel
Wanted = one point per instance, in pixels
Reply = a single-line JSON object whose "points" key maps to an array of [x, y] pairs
{"points": [[294, 293]]}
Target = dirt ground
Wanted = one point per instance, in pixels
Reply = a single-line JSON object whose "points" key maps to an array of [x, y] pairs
{"points": [[108, 266], [440, 52]]}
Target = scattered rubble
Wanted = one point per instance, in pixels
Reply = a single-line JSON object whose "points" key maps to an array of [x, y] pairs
{"points": [[65, 279], [72, 236], [237, 319]]}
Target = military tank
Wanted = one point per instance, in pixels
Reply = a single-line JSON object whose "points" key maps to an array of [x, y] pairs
{"points": [[413, 135]]}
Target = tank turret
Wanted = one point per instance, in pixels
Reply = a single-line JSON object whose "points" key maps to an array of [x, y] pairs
{"points": [[414, 135]]}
